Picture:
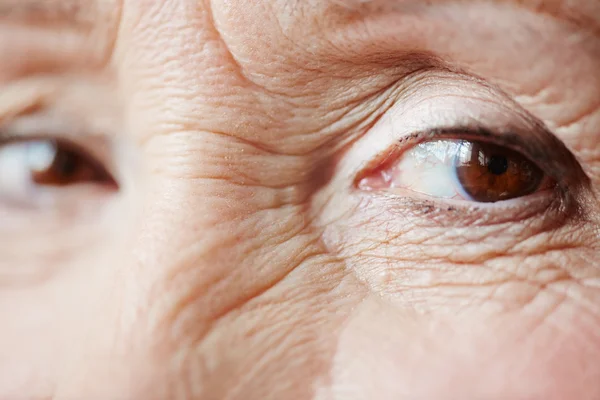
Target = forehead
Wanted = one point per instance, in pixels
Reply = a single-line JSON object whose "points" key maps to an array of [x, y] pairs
{"points": [[585, 13]]}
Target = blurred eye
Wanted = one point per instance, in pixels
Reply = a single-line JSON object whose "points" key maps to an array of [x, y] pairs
{"points": [[461, 169], [27, 167]]}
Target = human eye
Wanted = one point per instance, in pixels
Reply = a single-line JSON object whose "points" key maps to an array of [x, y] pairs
{"points": [[52, 169], [37, 171], [458, 169], [467, 145]]}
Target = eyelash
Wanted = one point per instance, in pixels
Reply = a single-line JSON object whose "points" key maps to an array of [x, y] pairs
{"points": [[509, 140]]}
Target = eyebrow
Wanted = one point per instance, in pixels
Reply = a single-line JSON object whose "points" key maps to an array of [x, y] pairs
{"points": [[583, 13], [51, 12], [88, 29]]}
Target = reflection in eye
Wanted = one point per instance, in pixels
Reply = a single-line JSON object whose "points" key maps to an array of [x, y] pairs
{"points": [[29, 165], [460, 169]]}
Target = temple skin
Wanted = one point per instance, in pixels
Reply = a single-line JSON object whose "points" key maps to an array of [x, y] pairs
{"points": [[237, 258]]}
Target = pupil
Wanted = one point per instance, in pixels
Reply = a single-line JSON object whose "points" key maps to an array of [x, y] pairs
{"points": [[498, 165], [65, 164]]}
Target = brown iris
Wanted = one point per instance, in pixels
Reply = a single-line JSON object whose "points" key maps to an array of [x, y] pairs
{"points": [[54, 163], [491, 173]]}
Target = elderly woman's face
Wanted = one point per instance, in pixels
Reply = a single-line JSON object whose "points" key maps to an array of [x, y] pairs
{"points": [[299, 199]]}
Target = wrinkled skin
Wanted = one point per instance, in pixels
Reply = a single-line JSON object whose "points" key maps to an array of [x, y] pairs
{"points": [[237, 259]]}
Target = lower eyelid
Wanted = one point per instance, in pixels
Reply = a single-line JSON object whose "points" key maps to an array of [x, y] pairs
{"points": [[545, 208]]}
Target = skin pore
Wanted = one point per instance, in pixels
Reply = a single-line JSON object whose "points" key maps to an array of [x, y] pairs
{"points": [[228, 249]]}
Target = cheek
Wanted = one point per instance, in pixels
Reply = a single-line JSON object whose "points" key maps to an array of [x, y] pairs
{"points": [[387, 353]]}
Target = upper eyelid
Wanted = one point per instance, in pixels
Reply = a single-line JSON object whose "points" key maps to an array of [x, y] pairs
{"points": [[483, 112], [24, 98], [53, 123], [77, 107]]}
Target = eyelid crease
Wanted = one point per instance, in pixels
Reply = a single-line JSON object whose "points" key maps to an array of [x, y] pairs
{"points": [[45, 124], [17, 100], [62, 108]]}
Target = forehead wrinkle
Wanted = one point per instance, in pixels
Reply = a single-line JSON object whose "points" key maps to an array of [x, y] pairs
{"points": [[582, 13]]}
